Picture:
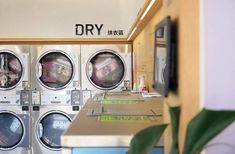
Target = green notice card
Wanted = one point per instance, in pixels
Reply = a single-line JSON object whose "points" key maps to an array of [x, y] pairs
{"points": [[119, 102], [111, 118]]}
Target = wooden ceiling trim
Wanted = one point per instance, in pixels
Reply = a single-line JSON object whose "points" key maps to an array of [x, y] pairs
{"points": [[64, 41], [140, 24]]}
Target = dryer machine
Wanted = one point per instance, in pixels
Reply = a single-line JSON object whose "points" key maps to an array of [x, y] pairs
{"points": [[55, 75], [14, 74], [105, 67], [55, 94], [14, 100]]}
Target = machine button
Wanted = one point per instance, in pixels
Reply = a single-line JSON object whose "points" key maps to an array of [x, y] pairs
{"points": [[25, 108], [36, 108], [75, 108]]}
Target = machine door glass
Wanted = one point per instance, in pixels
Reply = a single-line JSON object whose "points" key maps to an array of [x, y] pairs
{"points": [[106, 70], [10, 70], [11, 131], [55, 70], [51, 127]]}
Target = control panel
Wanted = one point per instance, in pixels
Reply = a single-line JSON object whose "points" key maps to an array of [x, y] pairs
{"points": [[36, 97], [24, 97], [75, 97]]}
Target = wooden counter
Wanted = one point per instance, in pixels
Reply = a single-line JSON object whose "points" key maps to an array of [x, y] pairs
{"points": [[90, 131]]}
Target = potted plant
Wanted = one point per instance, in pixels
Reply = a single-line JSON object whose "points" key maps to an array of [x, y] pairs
{"points": [[200, 130]]}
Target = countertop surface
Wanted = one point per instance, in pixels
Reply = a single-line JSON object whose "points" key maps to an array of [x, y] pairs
{"points": [[112, 121]]}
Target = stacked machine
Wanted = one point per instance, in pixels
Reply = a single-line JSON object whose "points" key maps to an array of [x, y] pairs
{"points": [[55, 88], [41, 86], [14, 100]]}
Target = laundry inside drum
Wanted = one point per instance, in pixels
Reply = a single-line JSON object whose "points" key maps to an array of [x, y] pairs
{"points": [[108, 70], [10, 70], [57, 70]]}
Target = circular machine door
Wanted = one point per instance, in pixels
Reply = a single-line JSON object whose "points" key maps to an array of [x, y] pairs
{"points": [[106, 70], [11, 131], [11, 70], [56, 70], [50, 128]]}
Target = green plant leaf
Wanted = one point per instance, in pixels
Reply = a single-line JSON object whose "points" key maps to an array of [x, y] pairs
{"points": [[143, 141], [175, 118], [205, 126]]}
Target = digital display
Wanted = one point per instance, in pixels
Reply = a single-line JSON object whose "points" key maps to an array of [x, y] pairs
{"points": [[160, 32], [162, 56]]}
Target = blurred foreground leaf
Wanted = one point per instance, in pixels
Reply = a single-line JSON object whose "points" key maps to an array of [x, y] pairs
{"points": [[143, 141], [175, 117], [205, 126]]}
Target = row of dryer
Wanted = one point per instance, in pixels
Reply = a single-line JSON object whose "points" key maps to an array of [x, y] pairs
{"points": [[43, 87]]}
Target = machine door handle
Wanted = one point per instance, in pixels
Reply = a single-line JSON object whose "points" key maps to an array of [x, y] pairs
{"points": [[90, 69], [39, 69], [163, 73], [40, 130]]}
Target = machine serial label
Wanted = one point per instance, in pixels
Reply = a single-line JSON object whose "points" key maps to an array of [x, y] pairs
{"points": [[110, 118], [5, 102]]}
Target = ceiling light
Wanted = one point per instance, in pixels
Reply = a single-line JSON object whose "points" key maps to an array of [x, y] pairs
{"points": [[132, 33], [147, 9]]}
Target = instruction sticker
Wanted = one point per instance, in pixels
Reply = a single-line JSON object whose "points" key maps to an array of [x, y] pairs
{"points": [[111, 118]]}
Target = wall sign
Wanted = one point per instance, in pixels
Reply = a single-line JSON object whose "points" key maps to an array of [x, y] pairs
{"points": [[88, 29], [95, 30]]}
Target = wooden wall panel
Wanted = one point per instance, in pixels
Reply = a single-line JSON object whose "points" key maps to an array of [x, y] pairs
{"points": [[184, 15], [188, 62], [143, 46]]}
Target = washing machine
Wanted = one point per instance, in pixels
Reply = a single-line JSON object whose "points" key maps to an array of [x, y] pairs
{"points": [[14, 99], [55, 84], [49, 123], [105, 68], [14, 130]]}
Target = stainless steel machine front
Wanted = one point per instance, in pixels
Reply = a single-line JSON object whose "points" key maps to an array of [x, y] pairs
{"points": [[55, 94], [48, 124], [14, 130], [14, 99], [14, 74], [105, 67], [55, 73]]}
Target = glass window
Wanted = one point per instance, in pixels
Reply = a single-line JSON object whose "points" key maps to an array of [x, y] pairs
{"points": [[11, 130], [106, 70], [10, 70], [57, 70], [51, 128]]}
